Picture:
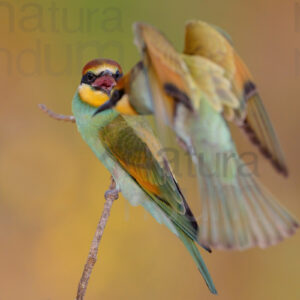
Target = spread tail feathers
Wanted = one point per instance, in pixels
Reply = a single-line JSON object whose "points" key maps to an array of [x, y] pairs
{"points": [[239, 213]]}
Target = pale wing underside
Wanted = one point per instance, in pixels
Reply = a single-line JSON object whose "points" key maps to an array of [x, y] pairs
{"points": [[202, 39]]}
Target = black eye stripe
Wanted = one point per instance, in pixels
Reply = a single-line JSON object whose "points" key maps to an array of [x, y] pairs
{"points": [[90, 77]]}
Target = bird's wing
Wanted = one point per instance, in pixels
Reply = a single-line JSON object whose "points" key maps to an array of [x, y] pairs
{"points": [[211, 81], [164, 68], [136, 149], [208, 41]]}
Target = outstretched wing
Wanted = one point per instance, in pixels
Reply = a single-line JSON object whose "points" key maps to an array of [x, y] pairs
{"points": [[208, 41], [210, 79], [164, 69]]}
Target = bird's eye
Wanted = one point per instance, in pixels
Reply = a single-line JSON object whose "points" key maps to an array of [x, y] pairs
{"points": [[117, 75], [90, 77]]}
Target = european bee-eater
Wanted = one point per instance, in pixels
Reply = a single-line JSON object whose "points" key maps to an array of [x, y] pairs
{"points": [[130, 151], [197, 93]]}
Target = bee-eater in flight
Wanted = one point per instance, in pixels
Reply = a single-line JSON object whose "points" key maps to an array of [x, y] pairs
{"points": [[130, 151], [197, 94]]}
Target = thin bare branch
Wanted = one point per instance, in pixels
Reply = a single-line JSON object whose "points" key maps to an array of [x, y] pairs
{"points": [[55, 115], [111, 194]]}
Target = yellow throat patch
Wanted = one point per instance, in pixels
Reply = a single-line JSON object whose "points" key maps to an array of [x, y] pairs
{"points": [[92, 97]]}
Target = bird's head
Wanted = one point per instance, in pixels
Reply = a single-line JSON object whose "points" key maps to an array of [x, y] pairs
{"points": [[99, 77]]}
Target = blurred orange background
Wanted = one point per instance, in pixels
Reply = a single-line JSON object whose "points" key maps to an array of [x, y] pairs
{"points": [[52, 186]]}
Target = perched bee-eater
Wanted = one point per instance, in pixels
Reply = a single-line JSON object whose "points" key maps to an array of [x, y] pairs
{"points": [[197, 93], [130, 151]]}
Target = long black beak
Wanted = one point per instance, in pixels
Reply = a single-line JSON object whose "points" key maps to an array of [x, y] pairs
{"points": [[111, 103], [107, 105]]}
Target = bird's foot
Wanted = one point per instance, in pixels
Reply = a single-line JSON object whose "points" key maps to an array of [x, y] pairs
{"points": [[112, 194]]}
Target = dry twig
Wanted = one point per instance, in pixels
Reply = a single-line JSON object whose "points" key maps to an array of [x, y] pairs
{"points": [[56, 116], [110, 195]]}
